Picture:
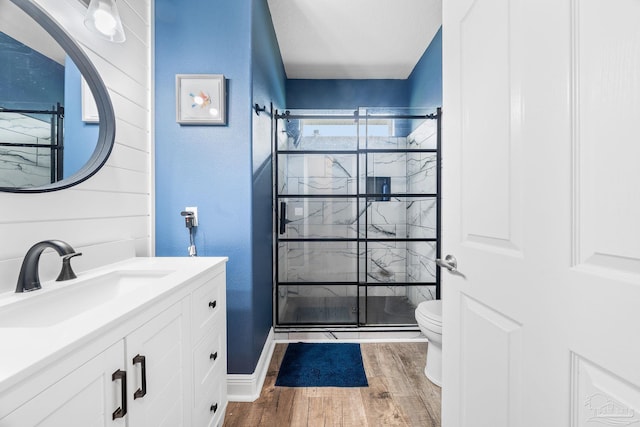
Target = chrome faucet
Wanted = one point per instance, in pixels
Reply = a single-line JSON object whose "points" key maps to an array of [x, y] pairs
{"points": [[29, 279]]}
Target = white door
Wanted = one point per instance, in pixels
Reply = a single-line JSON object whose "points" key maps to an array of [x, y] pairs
{"points": [[541, 208]]}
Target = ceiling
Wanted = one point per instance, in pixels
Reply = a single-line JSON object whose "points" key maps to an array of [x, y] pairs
{"points": [[353, 39]]}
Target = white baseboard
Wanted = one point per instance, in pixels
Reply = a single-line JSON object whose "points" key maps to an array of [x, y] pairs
{"points": [[247, 387]]}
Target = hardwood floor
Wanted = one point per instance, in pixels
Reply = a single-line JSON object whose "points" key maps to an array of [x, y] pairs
{"points": [[398, 395]]}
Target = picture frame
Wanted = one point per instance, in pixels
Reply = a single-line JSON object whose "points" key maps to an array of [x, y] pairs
{"points": [[89, 107], [201, 99]]}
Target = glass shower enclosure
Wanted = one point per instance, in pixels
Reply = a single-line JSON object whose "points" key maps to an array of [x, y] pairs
{"points": [[357, 216]]}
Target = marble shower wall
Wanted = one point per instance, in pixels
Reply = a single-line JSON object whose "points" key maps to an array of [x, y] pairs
{"points": [[24, 166], [325, 217], [319, 262], [422, 213], [317, 174], [321, 218]]}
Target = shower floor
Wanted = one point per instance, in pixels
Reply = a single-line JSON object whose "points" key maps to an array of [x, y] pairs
{"points": [[377, 310]]}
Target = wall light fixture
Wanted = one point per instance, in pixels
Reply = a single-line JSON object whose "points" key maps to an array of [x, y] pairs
{"points": [[103, 19]]}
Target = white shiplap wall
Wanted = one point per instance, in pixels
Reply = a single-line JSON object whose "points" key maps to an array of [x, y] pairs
{"points": [[116, 203]]}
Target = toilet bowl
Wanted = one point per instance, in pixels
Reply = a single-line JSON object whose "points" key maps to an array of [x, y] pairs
{"points": [[429, 318]]}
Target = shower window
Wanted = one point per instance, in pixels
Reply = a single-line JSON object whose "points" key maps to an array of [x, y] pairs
{"points": [[357, 221], [343, 128]]}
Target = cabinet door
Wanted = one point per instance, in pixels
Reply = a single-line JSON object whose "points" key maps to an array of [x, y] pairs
{"points": [[87, 397], [157, 374]]}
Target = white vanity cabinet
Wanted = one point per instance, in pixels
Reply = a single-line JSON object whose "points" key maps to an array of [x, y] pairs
{"points": [[86, 397], [164, 366]]}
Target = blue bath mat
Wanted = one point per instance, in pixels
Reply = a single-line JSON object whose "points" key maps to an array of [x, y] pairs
{"points": [[322, 365]]}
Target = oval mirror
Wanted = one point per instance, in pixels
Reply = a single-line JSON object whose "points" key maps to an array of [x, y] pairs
{"points": [[57, 125]]}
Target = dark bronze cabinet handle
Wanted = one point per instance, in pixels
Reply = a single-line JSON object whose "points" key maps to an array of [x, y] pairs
{"points": [[214, 408], [213, 304], [213, 356], [141, 392], [122, 377]]}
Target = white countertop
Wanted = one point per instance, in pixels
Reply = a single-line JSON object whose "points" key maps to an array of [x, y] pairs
{"points": [[25, 350]]}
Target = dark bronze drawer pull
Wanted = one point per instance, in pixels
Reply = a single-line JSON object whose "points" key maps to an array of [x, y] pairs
{"points": [[214, 408], [122, 410], [213, 356], [141, 392], [213, 304]]}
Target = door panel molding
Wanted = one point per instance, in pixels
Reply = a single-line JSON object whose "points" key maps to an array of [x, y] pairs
{"points": [[500, 338], [605, 172], [599, 397], [489, 57]]}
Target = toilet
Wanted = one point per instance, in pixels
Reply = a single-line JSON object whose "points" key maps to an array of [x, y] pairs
{"points": [[429, 318]]}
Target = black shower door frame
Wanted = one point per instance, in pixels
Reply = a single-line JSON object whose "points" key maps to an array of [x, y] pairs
{"points": [[362, 242]]}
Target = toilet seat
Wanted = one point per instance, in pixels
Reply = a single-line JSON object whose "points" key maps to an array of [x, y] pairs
{"points": [[430, 311]]}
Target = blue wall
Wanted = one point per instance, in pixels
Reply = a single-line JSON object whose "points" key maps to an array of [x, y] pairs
{"points": [[268, 88], [30, 80], [268, 77], [207, 166], [425, 81], [79, 137], [423, 88], [220, 169], [330, 94]]}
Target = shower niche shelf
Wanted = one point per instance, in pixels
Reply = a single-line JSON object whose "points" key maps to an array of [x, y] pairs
{"points": [[379, 185]]}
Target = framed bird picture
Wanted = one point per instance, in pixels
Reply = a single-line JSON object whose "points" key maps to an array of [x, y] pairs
{"points": [[201, 99]]}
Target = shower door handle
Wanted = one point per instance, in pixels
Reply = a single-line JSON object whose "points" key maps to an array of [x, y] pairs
{"points": [[283, 216]]}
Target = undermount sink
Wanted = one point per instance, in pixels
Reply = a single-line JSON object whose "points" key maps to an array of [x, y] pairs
{"points": [[44, 308]]}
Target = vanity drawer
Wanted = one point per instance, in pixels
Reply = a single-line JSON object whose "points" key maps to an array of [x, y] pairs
{"points": [[210, 410], [208, 361], [206, 303]]}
